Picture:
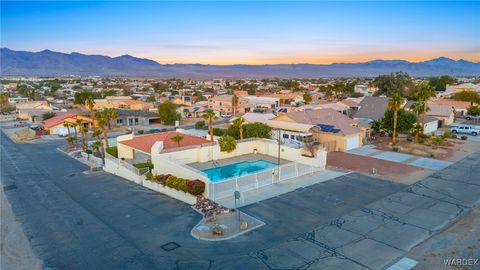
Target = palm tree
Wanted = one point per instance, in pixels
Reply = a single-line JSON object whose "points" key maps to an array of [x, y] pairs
{"points": [[85, 98], [234, 103], [67, 125], [423, 92], [417, 108], [81, 128], [395, 104], [102, 120], [97, 134], [210, 116], [109, 115], [177, 138], [239, 122]]}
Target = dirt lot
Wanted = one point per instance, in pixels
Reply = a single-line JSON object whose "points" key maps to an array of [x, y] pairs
{"points": [[460, 241], [387, 170]]}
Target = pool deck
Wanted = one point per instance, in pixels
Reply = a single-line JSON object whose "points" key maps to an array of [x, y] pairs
{"points": [[228, 161]]}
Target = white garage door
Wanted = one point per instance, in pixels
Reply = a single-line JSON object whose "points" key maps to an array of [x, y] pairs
{"points": [[353, 142]]}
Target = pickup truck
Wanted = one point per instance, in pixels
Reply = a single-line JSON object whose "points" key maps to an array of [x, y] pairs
{"points": [[472, 130]]}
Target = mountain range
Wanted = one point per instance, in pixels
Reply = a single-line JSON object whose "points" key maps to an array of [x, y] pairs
{"points": [[50, 63]]}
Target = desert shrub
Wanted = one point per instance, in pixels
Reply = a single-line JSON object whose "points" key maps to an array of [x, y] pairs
{"points": [[162, 178], [196, 187], [409, 139], [395, 148], [454, 136], [437, 140], [464, 137], [227, 144], [218, 132], [140, 132], [89, 151], [48, 115], [421, 140], [177, 183], [200, 125], [113, 151], [447, 134], [149, 176], [148, 165]]}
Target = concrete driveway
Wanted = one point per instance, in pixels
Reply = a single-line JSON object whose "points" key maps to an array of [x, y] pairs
{"points": [[427, 163], [99, 221]]}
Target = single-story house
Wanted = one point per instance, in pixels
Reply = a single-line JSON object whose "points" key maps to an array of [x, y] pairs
{"points": [[431, 125], [370, 109], [255, 117], [460, 107], [54, 124], [326, 125], [444, 113], [130, 144], [136, 117]]}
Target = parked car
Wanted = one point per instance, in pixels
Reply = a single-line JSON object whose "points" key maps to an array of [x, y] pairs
{"points": [[472, 117], [464, 129], [226, 115], [62, 132]]}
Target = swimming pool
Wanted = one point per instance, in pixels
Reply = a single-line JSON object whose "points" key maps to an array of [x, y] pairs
{"points": [[237, 169]]}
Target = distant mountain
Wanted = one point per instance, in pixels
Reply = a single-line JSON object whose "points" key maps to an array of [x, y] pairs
{"points": [[49, 63]]}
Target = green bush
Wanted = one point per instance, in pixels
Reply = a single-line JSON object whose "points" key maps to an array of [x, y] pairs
{"points": [[196, 187], [395, 148], [218, 132], [464, 137], [200, 125], [227, 144], [421, 140], [89, 151], [177, 183], [113, 151], [140, 132], [149, 176], [454, 136], [437, 140], [148, 165], [447, 134]]}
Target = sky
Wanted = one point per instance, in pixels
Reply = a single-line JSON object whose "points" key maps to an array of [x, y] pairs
{"points": [[243, 32]]}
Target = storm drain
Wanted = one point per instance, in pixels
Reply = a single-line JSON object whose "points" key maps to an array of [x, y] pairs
{"points": [[9, 187], [170, 246]]}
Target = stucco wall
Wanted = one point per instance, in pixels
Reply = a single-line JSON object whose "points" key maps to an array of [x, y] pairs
{"points": [[341, 141]]}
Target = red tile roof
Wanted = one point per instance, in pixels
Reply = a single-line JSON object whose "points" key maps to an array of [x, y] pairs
{"points": [[57, 120], [459, 105], [145, 142]]}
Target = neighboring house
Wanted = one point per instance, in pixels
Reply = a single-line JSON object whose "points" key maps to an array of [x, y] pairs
{"points": [[256, 117], [33, 105], [365, 89], [223, 104], [452, 89], [460, 107], [266, 104], [326, 125], [129, 145], [121, 102], [444, 113], [136, 117], [182, 100], [240, 93], [54, 124], [371, 109], [288, 98], [13, 100]]}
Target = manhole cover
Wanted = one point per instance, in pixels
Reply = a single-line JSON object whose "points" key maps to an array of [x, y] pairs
{"points": [[170, 246], [9, 187]]}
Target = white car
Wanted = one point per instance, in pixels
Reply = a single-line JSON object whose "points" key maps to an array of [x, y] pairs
{"points": [[62, 131], [464, 129]]}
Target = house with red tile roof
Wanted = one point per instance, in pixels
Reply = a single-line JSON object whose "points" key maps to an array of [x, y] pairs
{"points": [[54, 124], [129, 144]]}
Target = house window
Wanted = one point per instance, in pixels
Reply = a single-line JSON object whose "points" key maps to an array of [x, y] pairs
{"points": [[136, 120], [119, 121], [286, 136]]}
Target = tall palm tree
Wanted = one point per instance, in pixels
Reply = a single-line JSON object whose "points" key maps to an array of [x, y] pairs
{"points": [[68, 125], [210, 116], [417, 108], [97, 134], [423, 92], [395, 104], [239, 122], [85, 98], [177, 138], [102, 119], [110, 115], [234, 104], [81, 128]]}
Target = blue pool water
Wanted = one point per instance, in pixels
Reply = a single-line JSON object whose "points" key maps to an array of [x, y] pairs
{"points": [[237, 169]]}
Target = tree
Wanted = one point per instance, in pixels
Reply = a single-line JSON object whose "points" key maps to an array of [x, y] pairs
{"points": [[473, 110], [210, 116], [377, 125], [439, 84], [468, 95], [79, 124], [405, 121], [257, 130], [48, 115], [177, 138], [168, 113], [86, 99], [227, 144], [199, 124], [395, 104], [67, 125], [417, 108], [307, 98], [97, 134], [102, 122], [110, 115], [239, 122], [423, 92], [395, 82], [234, 103]]}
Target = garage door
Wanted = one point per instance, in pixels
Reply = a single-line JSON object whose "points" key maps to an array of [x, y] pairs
{"points": [[353, 142]]}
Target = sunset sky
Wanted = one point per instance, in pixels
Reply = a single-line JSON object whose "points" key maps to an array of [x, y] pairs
{"points": [[247, 32]]}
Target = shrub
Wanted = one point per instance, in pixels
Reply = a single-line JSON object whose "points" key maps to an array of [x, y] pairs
{"points": [[177, 183], [200, 125], [218, 132], [48, 115], [161, 178], [149, 176], [227, 144], [464, 137], [437, 140], [148, 165], [421, 140], [447, 134], [140, 132], [258, 130], [454, 136], [113, 151], [409, 139], [196, 187], [89, 151], [395, 148]]}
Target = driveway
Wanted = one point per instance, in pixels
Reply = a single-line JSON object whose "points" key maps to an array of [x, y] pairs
{"points": [[76, 220], [426, 163]]}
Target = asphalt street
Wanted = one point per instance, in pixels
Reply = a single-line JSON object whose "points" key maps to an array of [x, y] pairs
{"points": [[99, 221]]}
